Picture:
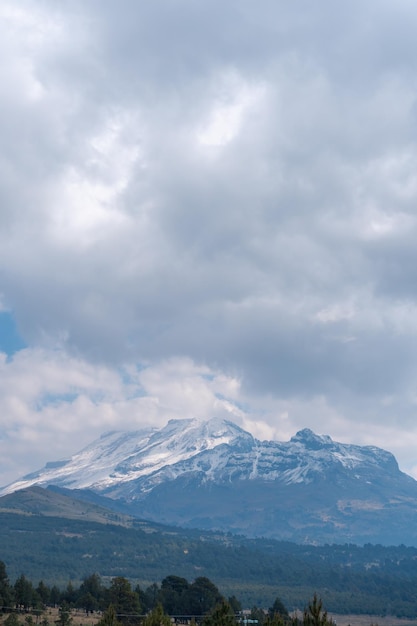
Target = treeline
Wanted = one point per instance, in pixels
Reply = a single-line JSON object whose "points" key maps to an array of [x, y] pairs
{"points": [[198, 602], [175, 594]]}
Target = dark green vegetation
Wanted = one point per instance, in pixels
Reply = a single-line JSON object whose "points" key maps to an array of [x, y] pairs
{"points": [[121, 605], [53, 548]]}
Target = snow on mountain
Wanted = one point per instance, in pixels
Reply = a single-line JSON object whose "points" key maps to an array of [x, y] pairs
{"points": [[120, 457], [214, 475], [128, 464], [89, 467]]}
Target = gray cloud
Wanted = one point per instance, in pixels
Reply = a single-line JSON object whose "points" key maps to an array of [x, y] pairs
{"points": [[234, 184]]}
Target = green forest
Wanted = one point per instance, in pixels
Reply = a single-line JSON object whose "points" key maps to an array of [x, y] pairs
{"points": [[366, 579], [119, 604]]}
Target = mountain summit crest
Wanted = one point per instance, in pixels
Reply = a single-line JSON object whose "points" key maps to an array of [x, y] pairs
{"points": [[214, 474], [215, 449], [308, 438]]}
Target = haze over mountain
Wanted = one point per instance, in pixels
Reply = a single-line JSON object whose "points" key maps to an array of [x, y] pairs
{"points": [[212, 474]]}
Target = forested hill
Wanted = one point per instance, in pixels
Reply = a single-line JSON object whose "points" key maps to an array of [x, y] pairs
{"points": [[368, 579]]}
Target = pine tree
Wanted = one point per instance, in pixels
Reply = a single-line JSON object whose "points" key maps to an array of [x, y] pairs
{"points": [[203, 596], [6, 591], [109, 617], [64, 618], [124, 600], [157, 617], [92, 586], [88, 602], [221, 615], [315, 615], [278, 608], [43, 592], [24, 592]]}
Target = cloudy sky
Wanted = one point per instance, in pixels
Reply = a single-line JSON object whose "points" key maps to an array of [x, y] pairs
{"points": [[207, 208]]}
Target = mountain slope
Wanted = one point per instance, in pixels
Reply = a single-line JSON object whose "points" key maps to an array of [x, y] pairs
{"points": [[47, 503], [213, 474]]}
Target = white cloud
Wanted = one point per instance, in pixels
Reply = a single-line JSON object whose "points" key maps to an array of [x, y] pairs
{"points": [[234, 99], [53, 404]]}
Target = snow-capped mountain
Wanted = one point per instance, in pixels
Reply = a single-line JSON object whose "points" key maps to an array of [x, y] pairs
{"points": [[119, 458], [216, 450], [213, 474]]}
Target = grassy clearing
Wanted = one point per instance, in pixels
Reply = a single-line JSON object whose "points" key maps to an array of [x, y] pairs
{"points": [[79, 617], [367, 620]]}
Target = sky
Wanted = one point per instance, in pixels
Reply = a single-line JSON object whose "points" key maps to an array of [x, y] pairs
{"points": [[207, 209]]}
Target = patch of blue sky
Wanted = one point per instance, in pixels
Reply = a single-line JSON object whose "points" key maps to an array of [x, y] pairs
{"points": [[10, 339], [55, 399]]}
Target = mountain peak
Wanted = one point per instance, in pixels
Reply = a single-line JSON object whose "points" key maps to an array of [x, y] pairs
{"points": [[310, 440], [213, 474]]}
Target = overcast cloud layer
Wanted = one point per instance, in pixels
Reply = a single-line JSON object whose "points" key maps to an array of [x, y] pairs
{"points": [[208, 209]]}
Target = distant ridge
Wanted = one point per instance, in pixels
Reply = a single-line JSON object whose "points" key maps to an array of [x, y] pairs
{"points": [[214, 475]]}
